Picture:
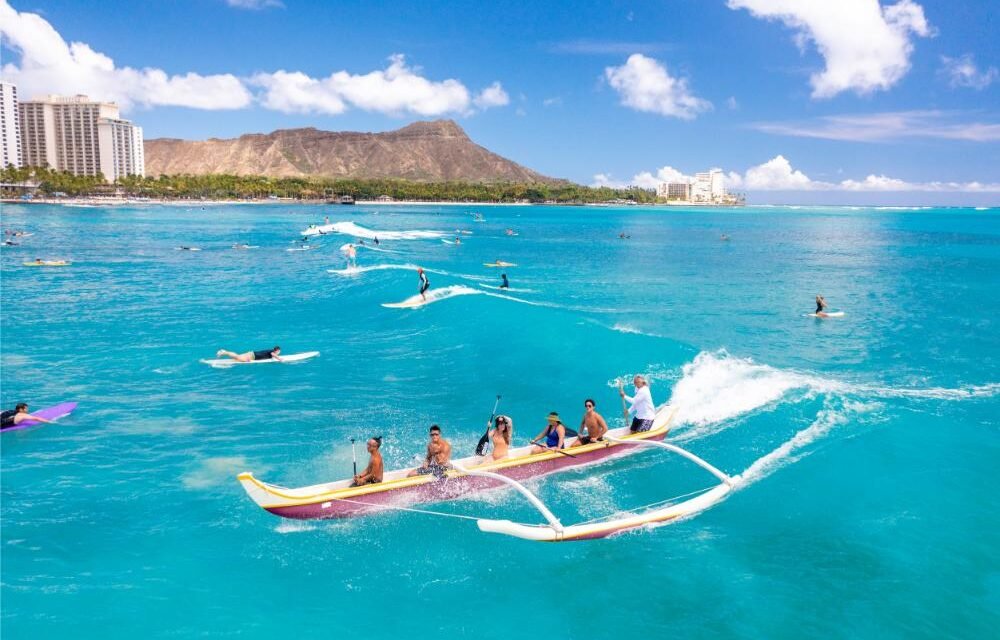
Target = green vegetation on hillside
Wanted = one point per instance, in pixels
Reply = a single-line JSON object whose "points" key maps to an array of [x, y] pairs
{"points": [[226, 187]]}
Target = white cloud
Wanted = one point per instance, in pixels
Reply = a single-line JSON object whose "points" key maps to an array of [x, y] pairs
{"points": [[879, 127], [778, 174], [866, 46], [396, 90], [645, 85], [50, 65], [963, 72], [552, 102], [255, 4], [492, 96], [732, 103]]}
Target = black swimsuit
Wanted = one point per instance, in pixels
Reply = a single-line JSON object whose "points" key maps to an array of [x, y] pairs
{"points": [[262, 355]]}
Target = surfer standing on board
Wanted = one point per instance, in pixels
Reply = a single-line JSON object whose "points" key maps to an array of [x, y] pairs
{"points": [[642, 410], [17, 415], [251, 356], [425, 284], [820, 306]]}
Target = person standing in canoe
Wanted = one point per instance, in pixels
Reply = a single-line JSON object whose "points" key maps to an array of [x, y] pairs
{"points": [[642, 409], [17, 415], [373, 472], [425, 284], [251, 356], [554, 434], [820, 306], [438, 459], [592, 426], [504, 284]]}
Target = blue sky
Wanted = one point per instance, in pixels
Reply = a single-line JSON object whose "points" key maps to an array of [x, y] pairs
{"points": [[842, 102]]}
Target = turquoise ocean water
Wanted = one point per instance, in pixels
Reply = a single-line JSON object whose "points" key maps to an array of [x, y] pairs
{"points": [[866, 445]]}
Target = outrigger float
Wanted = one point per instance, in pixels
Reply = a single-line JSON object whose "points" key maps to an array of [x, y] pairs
{"points": [[469, 475]]}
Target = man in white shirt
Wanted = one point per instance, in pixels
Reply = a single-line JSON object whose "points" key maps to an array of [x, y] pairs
{"points": [[642, 409]]}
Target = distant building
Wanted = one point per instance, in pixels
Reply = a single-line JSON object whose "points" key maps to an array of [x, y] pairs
{"points": [[76, 134], [708, 187], [10, 126]]}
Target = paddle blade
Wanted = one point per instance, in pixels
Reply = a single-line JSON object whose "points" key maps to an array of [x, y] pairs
{"points": [[481, 447]]}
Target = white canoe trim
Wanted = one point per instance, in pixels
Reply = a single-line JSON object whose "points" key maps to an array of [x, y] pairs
{"points": [[554, 531]]}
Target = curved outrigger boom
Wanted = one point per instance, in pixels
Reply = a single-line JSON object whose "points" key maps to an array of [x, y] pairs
{"points": [[554, 531]]}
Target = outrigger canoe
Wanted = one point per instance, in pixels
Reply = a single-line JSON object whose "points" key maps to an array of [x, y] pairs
{"points": [[468, 475]]}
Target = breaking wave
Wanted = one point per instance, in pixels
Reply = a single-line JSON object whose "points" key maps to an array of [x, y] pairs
{"points": [[356, 230]]}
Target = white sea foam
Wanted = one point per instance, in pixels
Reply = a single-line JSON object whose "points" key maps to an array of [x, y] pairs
{"points": [[356, 230], [434, 295], [356, 271]]}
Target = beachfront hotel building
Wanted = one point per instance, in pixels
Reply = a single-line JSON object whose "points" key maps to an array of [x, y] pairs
{"points": [[708, 187], [76, 134], [10, 126]]}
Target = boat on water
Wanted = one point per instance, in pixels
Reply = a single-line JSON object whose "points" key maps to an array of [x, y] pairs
{"points": [[476, 473]]}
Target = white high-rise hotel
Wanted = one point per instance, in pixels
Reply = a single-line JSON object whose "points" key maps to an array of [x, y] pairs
{"points": [[10, 126], [75, 134], [708, 187]]}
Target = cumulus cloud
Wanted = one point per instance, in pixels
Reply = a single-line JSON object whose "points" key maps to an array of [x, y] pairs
{"points": [[866, 46], [645, 85], [963, 72], [880, 127], [492, 96], [396, 90], [51, 65], [778, 174]]}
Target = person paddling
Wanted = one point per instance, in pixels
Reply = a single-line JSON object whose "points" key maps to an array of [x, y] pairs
{"points": [[425, 284], [820, 306], [17, 415], [504, 284], [438, 458], [554, 434], [373, 472], [641, 408], [501, 435], [251, 356]]}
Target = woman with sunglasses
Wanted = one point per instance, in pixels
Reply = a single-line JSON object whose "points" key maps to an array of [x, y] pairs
{"points": [[500, 435]]}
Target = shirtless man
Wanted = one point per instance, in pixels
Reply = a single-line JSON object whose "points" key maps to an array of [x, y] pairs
{"points": [[373, 472], [438, 456], [251, 356], [593, 424], [17, 415]]}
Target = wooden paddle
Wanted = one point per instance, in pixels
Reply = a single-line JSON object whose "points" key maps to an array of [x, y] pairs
{"points": [[621, 392], [568, 434]]}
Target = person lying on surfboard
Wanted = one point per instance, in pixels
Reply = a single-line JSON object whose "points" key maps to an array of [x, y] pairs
{"points": [[505, 284], [820, 306], [592, 426], [251, 356], [554, 434], [438, 459], [425, 284], [373, 472], [17, 415]]}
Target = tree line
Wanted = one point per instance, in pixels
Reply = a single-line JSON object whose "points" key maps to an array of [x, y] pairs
{"points": [[230, 187]]}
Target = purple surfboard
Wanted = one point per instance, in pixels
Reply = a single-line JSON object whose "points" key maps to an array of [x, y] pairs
{"points": [[49, 413]]}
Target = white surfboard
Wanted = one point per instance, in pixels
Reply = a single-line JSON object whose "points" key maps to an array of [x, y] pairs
{"points": [[832, 314], [219, 363], [306, 248]]}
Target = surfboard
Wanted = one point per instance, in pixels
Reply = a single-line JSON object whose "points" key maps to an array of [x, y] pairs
{"points": [[406, 304], [49, 413], [221, 363], [47, 263], [448, 241], [500, 264], [244, 247], [511, 289], [187, 248], [301, 249], [832, 314]]}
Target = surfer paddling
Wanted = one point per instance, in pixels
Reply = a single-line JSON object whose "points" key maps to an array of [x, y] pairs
{"points": [[425, 284], [438, 459], [251, 356], [820, 306], [373, 472], [641, 405], [17, 415], [592, 426]]}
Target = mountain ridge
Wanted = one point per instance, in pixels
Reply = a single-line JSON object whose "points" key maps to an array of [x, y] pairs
{"points": [[425, 151]]}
